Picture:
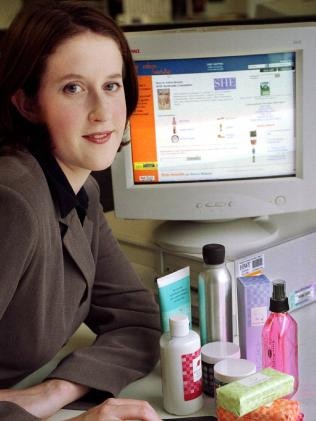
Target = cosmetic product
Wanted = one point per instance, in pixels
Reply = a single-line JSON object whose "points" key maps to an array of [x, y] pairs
{"points": [[279, 335], [174, 295], [248, 394], [215, 296], [279, 410], [253, 294], [181, 371], [230, 370], [211, 354]]}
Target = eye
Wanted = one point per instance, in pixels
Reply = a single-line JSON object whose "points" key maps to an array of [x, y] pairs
{"points": [[72, 88], [112, 86]]}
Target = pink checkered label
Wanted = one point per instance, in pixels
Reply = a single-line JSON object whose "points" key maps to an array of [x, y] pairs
{"points": [[192, 375]]}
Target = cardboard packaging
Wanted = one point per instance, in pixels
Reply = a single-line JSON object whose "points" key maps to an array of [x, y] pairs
{"points": [[253, 293]]}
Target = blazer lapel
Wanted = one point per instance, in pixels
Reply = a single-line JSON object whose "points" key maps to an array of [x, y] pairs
{"points": [[77, 241]]}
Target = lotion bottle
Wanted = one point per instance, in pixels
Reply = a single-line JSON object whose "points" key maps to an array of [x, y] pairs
{"points": [[279, 335], [181, 367], [215, 296]]}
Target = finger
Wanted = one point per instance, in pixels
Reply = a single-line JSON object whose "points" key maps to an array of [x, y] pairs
{"points": [[125, 401], [130, 409]]}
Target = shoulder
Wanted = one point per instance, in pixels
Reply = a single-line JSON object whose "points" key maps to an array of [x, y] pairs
{"points": [[19, 167], [22, 178]]}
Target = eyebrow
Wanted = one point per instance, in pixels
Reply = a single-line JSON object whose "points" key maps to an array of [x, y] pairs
{"points": [[79, 76]]}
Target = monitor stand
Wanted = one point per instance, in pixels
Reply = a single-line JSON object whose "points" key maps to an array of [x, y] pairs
{"points": [[239, 236]]}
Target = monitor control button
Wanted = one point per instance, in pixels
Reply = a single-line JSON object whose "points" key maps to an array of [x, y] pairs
{"points": [[280, 200]]}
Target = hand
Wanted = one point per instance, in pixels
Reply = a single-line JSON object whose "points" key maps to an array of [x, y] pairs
{"points": [[118, 410]]}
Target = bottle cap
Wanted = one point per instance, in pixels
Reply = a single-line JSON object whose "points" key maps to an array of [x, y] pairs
{"points": [[213, 352], [213, 254], [229, 370], [279, 302], [179, 325]]}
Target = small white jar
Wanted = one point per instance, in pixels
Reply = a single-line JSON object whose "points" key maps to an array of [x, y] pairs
{"points": [[212, 353], [230, 370]]}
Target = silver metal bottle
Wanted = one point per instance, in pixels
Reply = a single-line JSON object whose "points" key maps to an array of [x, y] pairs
{"points": [[215, 296]]}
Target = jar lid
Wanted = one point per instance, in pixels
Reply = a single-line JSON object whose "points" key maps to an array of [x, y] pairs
{"points": [[229, 370], [213, 352]]}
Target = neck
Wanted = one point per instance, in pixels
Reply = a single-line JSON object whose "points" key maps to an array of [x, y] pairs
{"points": [[76, 176]]}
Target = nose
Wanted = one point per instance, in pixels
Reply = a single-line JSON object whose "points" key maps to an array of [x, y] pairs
{"points": [[100, 109]]}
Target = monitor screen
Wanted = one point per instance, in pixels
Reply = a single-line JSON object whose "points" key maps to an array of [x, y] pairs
{"points": [[224, 129], [215, 118]]}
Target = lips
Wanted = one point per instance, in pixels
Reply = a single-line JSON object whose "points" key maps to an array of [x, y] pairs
{"points": [[98, 138]]}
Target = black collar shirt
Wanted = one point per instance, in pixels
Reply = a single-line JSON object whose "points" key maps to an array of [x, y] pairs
{"points": [[61, 189]]}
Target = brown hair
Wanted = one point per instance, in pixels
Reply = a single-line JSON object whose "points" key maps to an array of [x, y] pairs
{"points": [[34, 34]]}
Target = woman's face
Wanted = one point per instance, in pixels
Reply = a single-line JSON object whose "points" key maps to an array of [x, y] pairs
{"points": [[82, 102]]}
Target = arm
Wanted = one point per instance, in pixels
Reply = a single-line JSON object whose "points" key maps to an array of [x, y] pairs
{"points": [[39, 401], [19, 226], [47, 398], [19, 234], [125, 317], [16, 250]]}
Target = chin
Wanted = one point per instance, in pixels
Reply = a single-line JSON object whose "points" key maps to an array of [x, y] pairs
{"points": [[102, 161], [101, 166]]}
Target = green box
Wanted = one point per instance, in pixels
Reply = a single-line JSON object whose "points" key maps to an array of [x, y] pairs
{"points": [[248, 394]]}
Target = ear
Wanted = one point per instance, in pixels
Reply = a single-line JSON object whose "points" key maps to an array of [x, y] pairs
{"points": [[26, 106]]}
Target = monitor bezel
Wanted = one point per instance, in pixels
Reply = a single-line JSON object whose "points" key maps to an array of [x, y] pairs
{"points": [[171, 201]]}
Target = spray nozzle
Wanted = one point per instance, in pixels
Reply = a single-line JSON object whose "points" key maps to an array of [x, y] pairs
{"points": [[279, 301], [278, 292]]}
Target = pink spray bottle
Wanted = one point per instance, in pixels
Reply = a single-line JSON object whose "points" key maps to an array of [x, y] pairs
{"points": [[279, 335]]}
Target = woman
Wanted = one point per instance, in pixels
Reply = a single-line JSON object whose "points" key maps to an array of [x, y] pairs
{"points": [[67, 89]]}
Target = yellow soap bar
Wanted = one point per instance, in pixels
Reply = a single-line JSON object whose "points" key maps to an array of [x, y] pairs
{"points": [[248, 394]]}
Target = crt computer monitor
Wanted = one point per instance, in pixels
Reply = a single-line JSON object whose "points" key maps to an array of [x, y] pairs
{"points": [[224, 132]]}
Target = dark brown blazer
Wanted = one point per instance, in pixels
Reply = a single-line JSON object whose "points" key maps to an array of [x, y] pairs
{"points": [[50, 285]]}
